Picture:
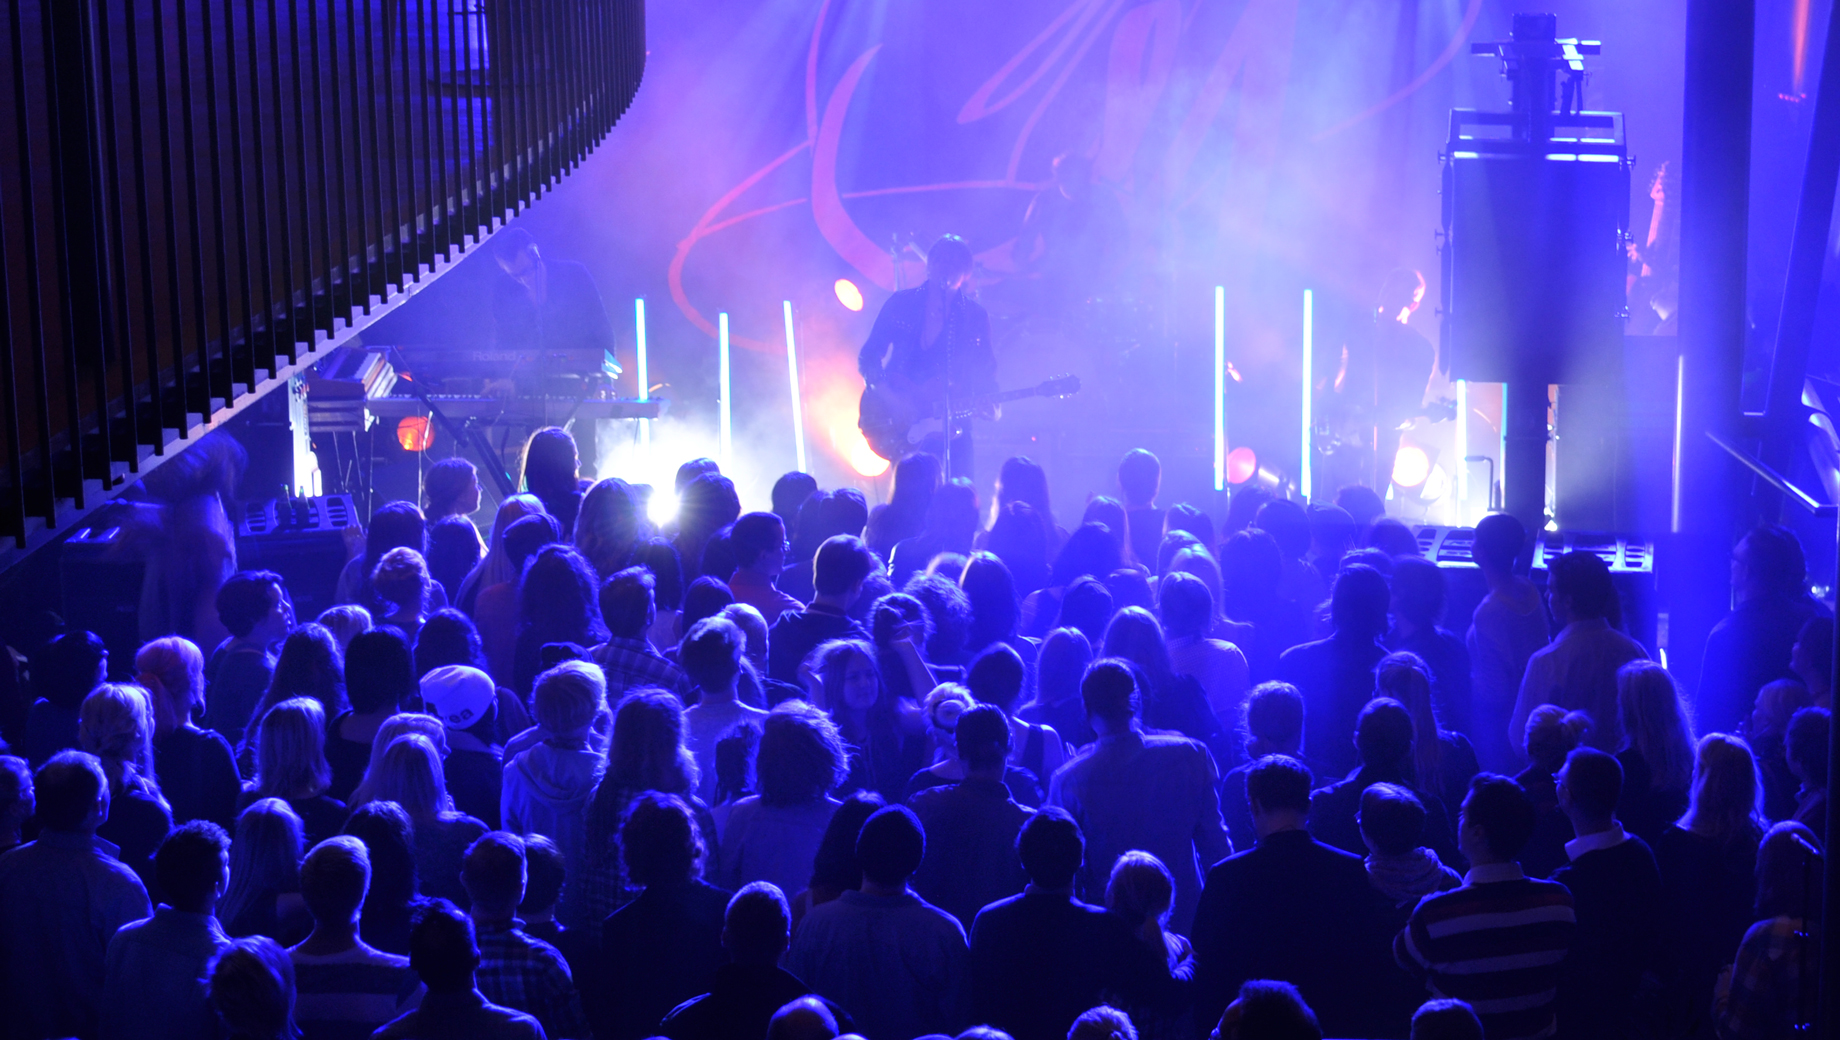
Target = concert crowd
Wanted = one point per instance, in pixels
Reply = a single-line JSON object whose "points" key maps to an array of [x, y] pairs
{"points": [[939, 768]]}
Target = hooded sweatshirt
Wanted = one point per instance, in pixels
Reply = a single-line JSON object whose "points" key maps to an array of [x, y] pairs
{"points": [[1410, 876], [546, 791]]}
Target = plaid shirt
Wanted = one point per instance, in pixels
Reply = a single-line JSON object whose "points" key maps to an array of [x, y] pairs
{"points": [[529, 975], [632, 663], [1770, 992]]}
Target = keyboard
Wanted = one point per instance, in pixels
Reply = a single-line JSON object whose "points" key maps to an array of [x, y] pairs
{"points": [[459, 406]]}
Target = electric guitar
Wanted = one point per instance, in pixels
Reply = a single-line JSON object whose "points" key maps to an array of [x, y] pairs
{"points": [[895, 418]]}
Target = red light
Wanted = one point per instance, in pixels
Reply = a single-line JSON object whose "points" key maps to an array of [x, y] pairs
{"points": [[1242, 463], [414, 433]]}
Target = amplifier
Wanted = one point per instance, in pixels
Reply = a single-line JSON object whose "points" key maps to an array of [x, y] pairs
{"points": [[301, 539], [100, 574]]}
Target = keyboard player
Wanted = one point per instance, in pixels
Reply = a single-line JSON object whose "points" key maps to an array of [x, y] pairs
{"points": [[549, 308]]}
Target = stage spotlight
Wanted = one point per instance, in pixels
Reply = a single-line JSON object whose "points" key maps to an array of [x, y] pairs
{"points": [[1242, 463], [662, 508], [848, 294], [848, 441], [414, 433], [1411, 466]]}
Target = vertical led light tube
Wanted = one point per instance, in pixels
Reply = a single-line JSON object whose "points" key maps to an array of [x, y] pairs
{"points": [[644, 375], [1462, 452], [1680, 414], [1220, 388], [1309, 385], [792, 373], [725, 400]]}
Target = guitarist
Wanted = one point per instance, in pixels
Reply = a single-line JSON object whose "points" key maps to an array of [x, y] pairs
{"points": [[1385, 375], [932, 342]]}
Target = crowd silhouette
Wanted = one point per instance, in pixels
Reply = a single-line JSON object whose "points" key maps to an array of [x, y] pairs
{"points": [[925, 770]]}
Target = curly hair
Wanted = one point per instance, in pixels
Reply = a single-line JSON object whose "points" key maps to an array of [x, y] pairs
{"points": [[801, 755]]}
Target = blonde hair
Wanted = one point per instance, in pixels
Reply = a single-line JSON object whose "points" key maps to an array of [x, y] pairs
{"points": [[1552, 733], [1140, 888], [116, 725], [1656, 724], [346, 622], [409, 773], [400, 724], [1103, 1023], [291, 750], [264, 856], [1199, 561], [495, 567], [1405, 677], [945, 704], [1727, 800], [172, 668], [401, 578], [568, 698]]}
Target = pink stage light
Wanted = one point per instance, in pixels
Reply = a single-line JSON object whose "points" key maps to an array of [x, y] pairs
{"points": [[1242, 463]]}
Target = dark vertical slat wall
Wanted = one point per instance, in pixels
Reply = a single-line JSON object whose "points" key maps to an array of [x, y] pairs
{"points": [[196, 192]]}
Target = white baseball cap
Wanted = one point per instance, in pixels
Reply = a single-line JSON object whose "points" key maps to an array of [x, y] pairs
{"points": [[458, 695]]}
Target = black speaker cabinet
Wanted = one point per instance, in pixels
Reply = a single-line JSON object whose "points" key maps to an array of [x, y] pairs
{"points": [[100, 573], [1537, 264]]}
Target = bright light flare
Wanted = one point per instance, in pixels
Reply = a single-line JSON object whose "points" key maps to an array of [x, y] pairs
{"points": [[848, 442], [662, 508], [848, 294], [1411, 466], [1242, 463], [1437, 485]]}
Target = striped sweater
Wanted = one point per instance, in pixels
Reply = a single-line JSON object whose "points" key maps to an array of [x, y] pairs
{"points": [[346, 996], [1496, 943]]}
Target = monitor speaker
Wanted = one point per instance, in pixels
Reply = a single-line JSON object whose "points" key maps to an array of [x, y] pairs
{"points": [[301, 539]]}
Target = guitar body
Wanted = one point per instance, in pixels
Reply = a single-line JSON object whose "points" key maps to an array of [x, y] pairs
{"points": [[888, 414], [896, 416]]}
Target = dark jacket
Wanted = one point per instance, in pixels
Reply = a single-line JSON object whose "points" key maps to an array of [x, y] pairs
{"points": [[1746, 650], [741, 1001], [894, 346], [798, 632], [1041, 959], [1294, 909], [970, 861], [658, 951], [1333, 809], [1708, 891], [1336, 678], [1616, 893], [198, 776]]}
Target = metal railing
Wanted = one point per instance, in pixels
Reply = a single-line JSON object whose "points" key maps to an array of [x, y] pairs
{"points": [[201, 196]]}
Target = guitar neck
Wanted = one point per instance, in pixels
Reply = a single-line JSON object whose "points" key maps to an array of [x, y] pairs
{"points": [[962, 407]]}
